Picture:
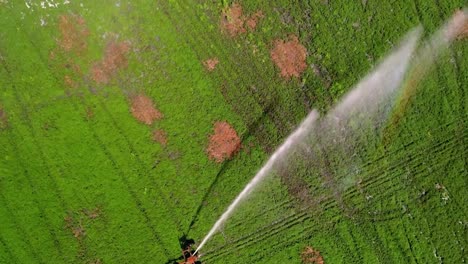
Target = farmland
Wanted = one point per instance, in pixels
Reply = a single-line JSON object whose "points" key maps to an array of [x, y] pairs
{"points": [[125, 125]]}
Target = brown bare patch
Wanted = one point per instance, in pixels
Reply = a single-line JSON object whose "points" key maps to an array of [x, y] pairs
{"points": [[234, 23], [68, 81], [252, 21], [232, 20], [224, 143], [210, 64], [3, 119], [74, 33], [311, 256], [144, 111], [114, 59], [160, 136], [92, 213], [290, 56], [460, 24], [75, 226]]}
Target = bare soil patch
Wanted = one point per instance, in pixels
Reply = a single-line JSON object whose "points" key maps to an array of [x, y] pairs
{"points": [[253, 20], [311, 256], [75, 226], [74, 33], [69, 81], [160, 136], [234, 23], [457, 27], [92, 213], [462, 32], [210, 64], [224, 143], [143, 109], [289, 56], [115, 58]]}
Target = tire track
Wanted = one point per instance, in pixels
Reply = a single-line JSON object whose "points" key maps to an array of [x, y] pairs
{"points": [[132, 193], [408, 258], [20, 230], [42, 213], [298, 219], [460, 83], [242, 78], [352, 193], [13, 258], [161, 194], [226, 77], [120, 172]]}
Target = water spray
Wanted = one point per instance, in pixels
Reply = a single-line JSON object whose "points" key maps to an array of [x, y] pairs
{"points": [[366, 98]]}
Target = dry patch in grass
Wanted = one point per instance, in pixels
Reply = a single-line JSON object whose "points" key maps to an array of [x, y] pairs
{"points": [[115, 58], [210, 64], [72, 47], [74, 33], [290, 57], [311, 256], [160, 136], [75, 222], [143, 110], [224, 143], [460, 24], [234, 23], [253, 20]]}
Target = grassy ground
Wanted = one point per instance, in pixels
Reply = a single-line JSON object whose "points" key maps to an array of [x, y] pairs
{"points": [[77, 187]]}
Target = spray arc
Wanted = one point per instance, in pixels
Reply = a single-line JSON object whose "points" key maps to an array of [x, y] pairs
{"points": [[367, 97]]}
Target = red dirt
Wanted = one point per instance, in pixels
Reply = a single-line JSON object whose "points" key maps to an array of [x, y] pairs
{"points": [[160, 136], [232, 20], [224, 143], [457, 27], [144, 111], [252, 21], [311, 256], [93, 213], [115, 58], [234, 23], [210, 64], [74, 33], [75, 227], [462, 31], [290, 56]]}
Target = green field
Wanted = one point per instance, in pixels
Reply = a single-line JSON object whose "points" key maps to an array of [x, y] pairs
{"points": [[82, 181]]}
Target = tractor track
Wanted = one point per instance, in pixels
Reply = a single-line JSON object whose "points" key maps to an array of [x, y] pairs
{"points": [[7, 250], [119, 171], [20, 230], [303, 215], [300, 217], [373, 181], [244, 80], [142, 168], [138, 202], [251, 125], [58, 194], [289, 221]]}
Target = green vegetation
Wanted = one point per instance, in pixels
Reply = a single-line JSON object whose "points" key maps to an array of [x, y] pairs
{"points": [[81, 180]]}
